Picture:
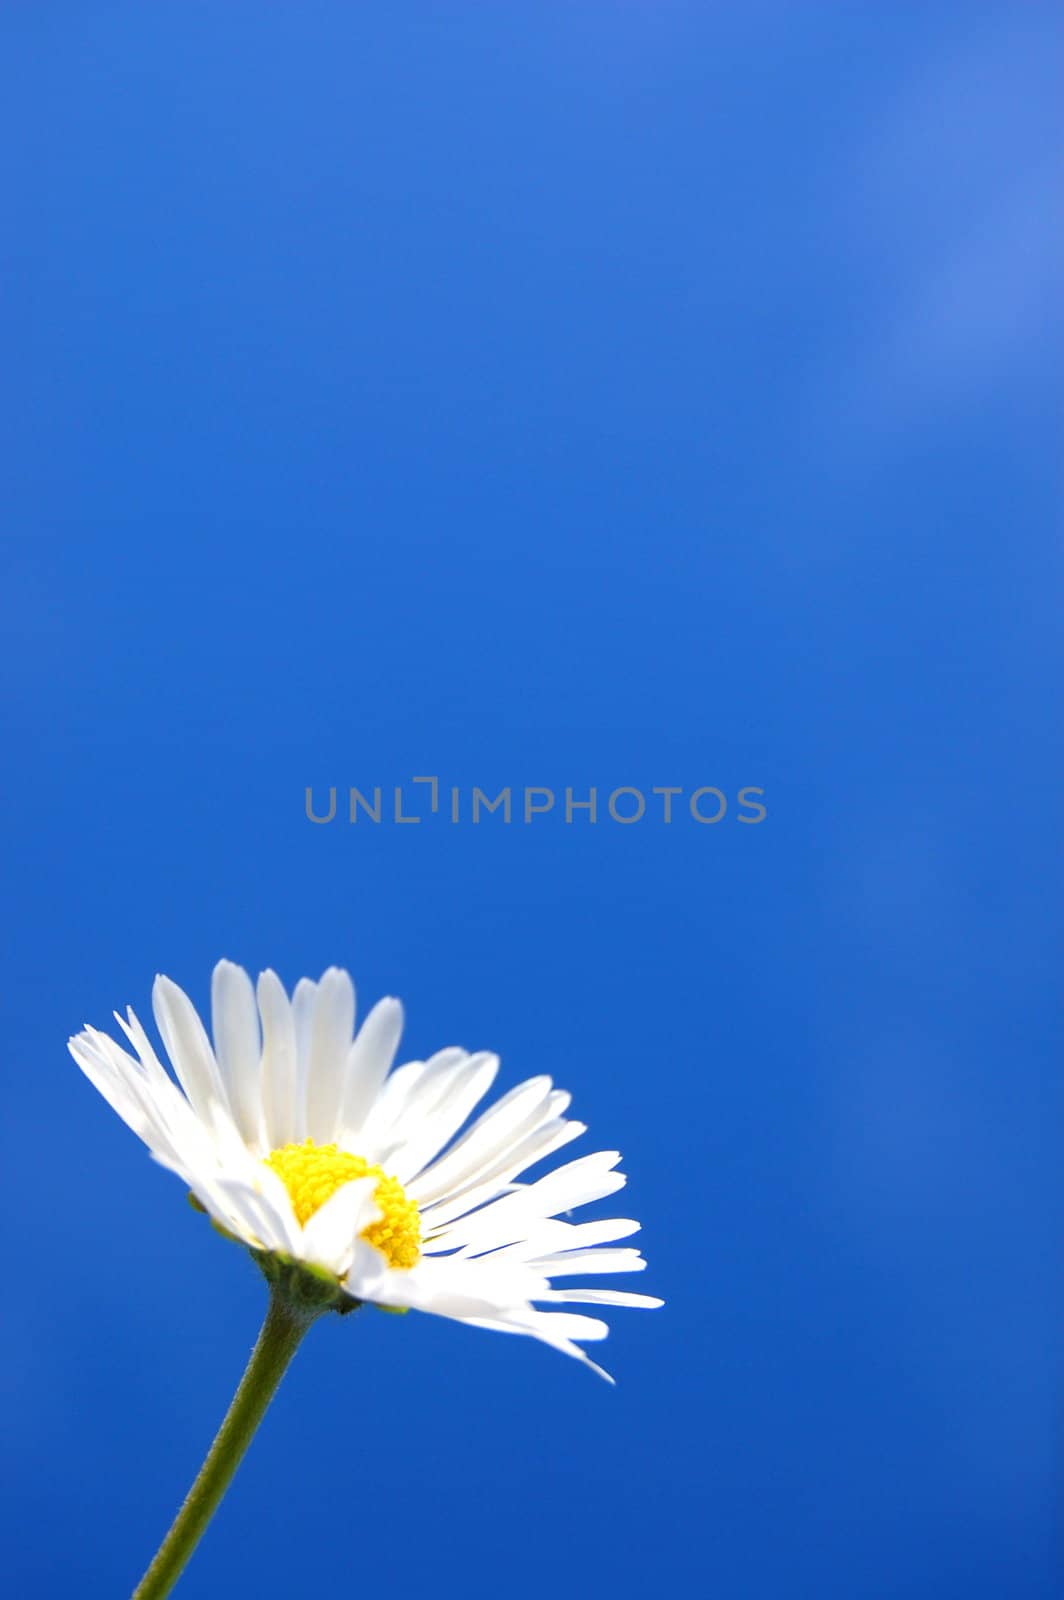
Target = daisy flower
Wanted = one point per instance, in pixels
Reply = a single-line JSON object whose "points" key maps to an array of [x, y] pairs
{"points": [[354, 1181]]}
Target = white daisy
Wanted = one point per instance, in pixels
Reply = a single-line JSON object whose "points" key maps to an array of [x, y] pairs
{"points": [[299, 1139]]}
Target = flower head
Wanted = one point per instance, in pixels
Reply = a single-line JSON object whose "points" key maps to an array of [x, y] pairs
{"points": [[299, 1138]]}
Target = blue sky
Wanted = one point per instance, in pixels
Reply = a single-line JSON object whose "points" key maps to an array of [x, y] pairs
{"points": [[608, 394]]}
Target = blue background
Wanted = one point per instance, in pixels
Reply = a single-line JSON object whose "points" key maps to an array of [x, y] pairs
{"points": [[614, 394]]}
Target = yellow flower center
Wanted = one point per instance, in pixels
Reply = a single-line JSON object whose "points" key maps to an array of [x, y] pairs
{"points": [[312, 1173]]}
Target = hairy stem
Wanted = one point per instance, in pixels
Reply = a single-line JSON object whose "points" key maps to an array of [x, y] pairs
{"points": [[282, 1330]]}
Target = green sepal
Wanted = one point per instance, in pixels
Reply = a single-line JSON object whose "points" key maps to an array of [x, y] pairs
{"points": [[197, 1205], [216, 1225], [307, 1288]]}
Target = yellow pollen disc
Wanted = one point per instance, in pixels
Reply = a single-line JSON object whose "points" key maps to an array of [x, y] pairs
{"points": [[312, 1173]]}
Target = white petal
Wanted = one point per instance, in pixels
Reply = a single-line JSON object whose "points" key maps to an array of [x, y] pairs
{"points": [[462, 1086], [508, 1120], [237, 1044], [266, 1182], [329, 1235], [602, 1297], [577, 1261], [496, 1180], [148, 1102], [368, 1063], [162, 1084], [577, 1183], [546, 1336], [121, 1086], [280, 1067], [304, 996], [570, 1325], [393, 1098], [332, 1024], [447, 1287], [190, 1052], [412, 1093], [547, 1236], [252, 1216]]}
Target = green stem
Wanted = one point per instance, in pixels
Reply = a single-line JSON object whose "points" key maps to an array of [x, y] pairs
{"points": [[277, 1343]]}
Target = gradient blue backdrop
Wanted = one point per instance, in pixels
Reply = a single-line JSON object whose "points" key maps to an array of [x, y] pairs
{"points": [[615, 393]]}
